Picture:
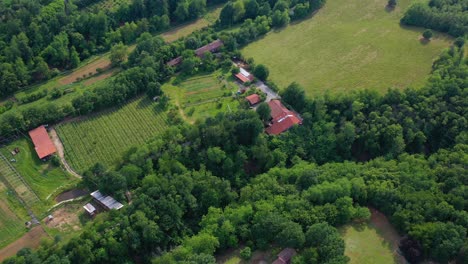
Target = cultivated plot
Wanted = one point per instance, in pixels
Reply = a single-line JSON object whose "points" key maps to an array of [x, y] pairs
{"points": [[349, 44], [104, 137], [203, 95]]}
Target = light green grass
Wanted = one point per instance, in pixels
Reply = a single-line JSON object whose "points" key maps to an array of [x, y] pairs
{"points": [[347, 45], [43, 178], [104, 137], [11, 226], [203, 95], [364, 245]]}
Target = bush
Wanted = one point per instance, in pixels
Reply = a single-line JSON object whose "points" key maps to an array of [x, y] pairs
{"points": [[392, 3], [55, 160], [246, 253], [427, 34]]}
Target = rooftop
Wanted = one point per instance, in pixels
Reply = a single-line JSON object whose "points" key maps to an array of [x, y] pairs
{"points": [[209, 47], [42, 143], [253, 99], [107, 201]]}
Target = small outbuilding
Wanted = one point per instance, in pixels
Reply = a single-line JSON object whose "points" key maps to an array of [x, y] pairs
{"points": [[90, 209], [244, 76], [253, 99], [212, 47], [42, 144], [107, 202], [285, 256]]}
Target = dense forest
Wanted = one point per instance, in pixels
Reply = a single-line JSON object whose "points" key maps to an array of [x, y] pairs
{"points": [[221, 183], [448, 16]]}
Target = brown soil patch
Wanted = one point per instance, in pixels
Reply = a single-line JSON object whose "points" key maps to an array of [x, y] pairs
{"points": [[103, 63], [70, 195], [65, 219], [31, 239], [99, 77]]}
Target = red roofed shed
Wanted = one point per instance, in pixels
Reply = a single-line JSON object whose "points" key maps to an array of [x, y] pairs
{"points": [[282, 118], [253, 99], [174, 62], [42, 144]]}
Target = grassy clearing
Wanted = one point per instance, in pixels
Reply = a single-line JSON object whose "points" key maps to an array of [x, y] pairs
{"points": [[204, 95], [372, 242], [105, 136], [365, 245], [349, 44], [43, 178]]}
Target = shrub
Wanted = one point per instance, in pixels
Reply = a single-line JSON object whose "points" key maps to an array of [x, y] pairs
{"points": [[427, 34], [246, 253]]}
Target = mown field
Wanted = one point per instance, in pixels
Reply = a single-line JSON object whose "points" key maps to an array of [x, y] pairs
{"points": [[347, 45], [372, 242], [202, 96], [105, 136]]}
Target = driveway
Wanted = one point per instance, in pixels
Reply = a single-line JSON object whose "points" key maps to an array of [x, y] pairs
{"points": [[269, 92]]}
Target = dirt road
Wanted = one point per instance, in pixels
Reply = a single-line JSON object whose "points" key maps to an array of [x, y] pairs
{"points": [[61, 152]]}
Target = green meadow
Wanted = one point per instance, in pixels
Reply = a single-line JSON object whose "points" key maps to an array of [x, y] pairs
{"points": [[348, 45]]}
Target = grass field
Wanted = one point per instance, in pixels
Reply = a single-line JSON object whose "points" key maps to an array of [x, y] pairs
{"points": [[42, 177], [348, 44], [202, 96], [105, 136], [372, 242], [11, 226]]}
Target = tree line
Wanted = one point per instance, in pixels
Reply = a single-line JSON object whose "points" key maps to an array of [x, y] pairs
{"points": [[447, 16]]}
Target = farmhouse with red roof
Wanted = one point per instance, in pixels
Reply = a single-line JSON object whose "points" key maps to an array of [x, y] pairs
{"points": [[42, 144], [282, 118]]}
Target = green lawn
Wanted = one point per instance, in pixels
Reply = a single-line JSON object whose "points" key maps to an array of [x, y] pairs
{"points": [[203, 96], [105, 136], [347, 45], [11, 226], [365, 246]]}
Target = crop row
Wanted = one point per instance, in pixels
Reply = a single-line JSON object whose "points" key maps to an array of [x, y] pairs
{"points": [[106, 136]]}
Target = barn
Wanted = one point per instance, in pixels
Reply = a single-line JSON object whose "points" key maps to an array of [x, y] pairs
{"points": [[42, 144], [244, 76]]}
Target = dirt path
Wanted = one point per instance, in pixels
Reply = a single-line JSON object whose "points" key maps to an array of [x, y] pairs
{"points": [[58, 144], [31, 239]]}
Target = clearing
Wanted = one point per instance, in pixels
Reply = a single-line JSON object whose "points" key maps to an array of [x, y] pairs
{"points": [[31, 239], [347, 45], [374, 242], [11, 226], [105, 136], [203, 95]]}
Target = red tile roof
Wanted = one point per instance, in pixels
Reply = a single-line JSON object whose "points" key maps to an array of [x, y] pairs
{"points": [[42, 143], [253, 99], [213, 46], [242, 78], [283, 119]]}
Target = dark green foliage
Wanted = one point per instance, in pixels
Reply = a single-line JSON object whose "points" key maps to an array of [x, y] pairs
{"points": [[264, 111], [261, 72], [440, 15], [427, 34]]}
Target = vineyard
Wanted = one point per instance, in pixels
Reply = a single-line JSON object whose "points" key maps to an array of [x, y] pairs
{"points": [[104, 137], [203, 95]]}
